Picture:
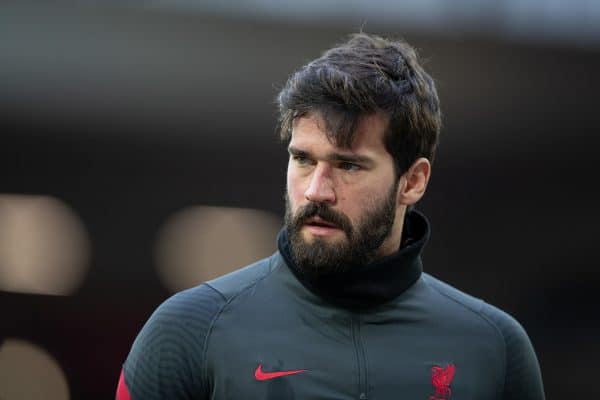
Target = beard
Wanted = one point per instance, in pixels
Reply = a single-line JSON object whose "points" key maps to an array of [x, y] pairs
{"points": [[358, 247]]}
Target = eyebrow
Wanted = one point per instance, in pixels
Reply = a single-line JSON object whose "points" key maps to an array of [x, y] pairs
{"points": [[344, 157]]}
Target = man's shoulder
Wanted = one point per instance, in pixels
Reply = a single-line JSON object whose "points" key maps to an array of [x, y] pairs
{"points": [[189, 310], [231, 284], [204, 301], [502, 322], [522, 379]]}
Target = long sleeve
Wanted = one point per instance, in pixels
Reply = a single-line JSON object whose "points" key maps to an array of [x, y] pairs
{"points": [[523, 378], [167, 358]]}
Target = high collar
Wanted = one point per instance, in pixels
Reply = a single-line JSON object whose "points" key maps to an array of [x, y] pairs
{"points": [[372, 284]]}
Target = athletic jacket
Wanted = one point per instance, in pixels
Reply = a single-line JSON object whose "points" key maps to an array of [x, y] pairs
{"points": [[386, 331]]}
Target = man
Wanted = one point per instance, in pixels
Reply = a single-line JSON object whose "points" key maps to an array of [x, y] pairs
{"points": [[342, 310]]}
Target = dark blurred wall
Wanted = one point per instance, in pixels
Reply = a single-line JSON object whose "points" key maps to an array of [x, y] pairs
{"points": [[131, 116]]}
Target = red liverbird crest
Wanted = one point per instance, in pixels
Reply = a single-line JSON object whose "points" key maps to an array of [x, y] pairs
{"points": [[441, 379]]}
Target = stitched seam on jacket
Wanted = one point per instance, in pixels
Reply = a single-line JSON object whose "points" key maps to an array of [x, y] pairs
{"points": [[486, 319], [218, 314]]}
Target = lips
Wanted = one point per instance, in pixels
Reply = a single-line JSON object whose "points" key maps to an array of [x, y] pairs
{"points": [[318, 221]]}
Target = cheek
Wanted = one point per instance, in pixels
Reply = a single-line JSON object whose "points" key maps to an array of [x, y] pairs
{"points": [[358, 199], [352, 208], [295, 189]]}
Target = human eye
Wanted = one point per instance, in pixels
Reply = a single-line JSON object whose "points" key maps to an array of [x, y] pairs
{"points": [[300, 159], [349, 166]]}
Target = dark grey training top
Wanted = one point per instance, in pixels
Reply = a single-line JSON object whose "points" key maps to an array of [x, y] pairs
{"points": [[386, 331]]}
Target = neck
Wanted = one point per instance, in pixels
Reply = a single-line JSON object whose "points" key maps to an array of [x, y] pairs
{"points": [[372, 284]]}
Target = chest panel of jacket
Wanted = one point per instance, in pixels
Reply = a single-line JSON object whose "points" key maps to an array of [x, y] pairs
{"points": [[384, 355], [281, 337]]}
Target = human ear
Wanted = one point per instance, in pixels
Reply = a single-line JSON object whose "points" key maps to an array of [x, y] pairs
{"points": [[415, 182]]}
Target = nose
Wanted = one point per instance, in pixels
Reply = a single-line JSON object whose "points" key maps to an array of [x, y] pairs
{"points": [[320, 186]]}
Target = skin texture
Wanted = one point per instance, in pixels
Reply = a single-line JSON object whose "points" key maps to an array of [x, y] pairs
{"points": [[352, 182]]}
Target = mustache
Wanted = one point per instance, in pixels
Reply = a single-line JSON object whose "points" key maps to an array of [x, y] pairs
{"points": [[324, 212]]}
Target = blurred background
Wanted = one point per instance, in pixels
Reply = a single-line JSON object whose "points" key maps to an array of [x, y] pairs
{"points": [[139, 156]]}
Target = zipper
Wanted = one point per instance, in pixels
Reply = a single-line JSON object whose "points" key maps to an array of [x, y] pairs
{"points": [[359, 350]]}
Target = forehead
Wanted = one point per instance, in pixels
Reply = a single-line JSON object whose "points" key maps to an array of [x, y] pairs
{"points": [[310, 131]]}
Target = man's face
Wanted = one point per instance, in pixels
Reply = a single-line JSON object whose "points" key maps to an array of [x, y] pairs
{"points": [[341, 203]]}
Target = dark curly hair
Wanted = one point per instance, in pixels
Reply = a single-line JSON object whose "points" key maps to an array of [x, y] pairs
{"points": [[367, 74]]}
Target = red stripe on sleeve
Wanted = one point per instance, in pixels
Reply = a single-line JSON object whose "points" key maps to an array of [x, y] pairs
{"points": [[122, 391]]}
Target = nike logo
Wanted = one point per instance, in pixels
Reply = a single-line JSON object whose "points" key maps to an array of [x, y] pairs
{"points": [[260, 375]]}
